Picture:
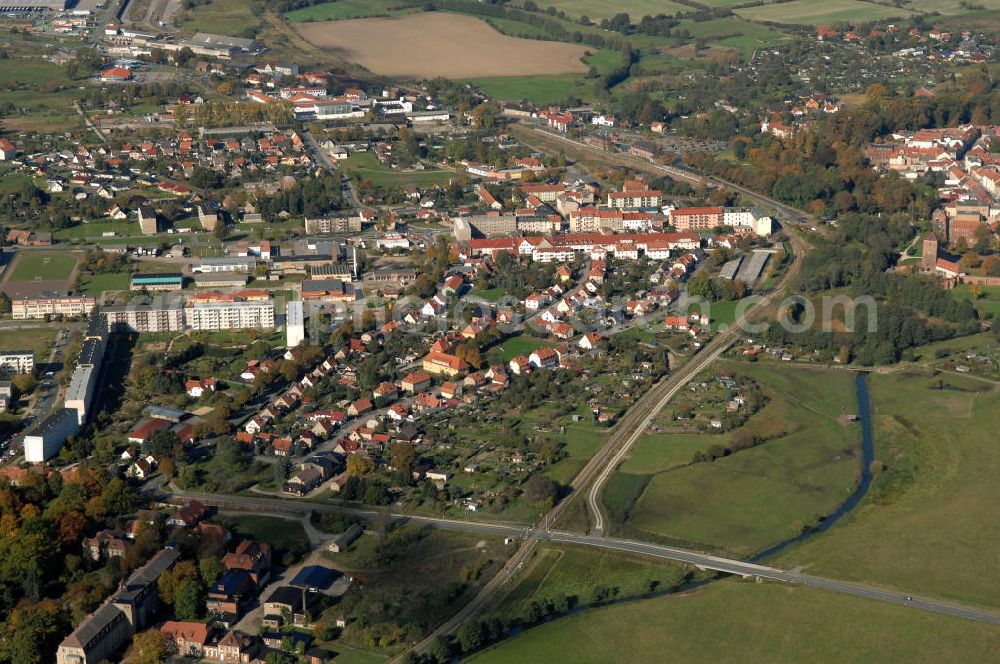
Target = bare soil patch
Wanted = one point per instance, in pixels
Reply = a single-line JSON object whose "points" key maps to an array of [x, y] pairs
{"points": [[441, 44]]}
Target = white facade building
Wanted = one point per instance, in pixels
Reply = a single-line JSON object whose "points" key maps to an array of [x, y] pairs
{"points": [[230, 316], [46, 439], [295, 327]]}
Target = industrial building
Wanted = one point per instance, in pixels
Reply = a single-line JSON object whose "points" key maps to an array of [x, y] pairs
{"points": [[33, 5]]}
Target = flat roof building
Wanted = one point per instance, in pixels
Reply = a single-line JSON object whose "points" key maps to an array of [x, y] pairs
{"points": [[230, 316], [16, 362], [46, 438], [166, 281], [40, 307], [295, 326], [159, 314]]}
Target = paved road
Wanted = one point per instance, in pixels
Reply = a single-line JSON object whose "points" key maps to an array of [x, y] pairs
{"points": [[630, 428], [499, 529], [320, 155], [635, 420]]}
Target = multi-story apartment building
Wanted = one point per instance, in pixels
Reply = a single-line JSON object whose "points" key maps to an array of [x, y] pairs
{"points": [[230, 316], [159, 315], [16, 362], [644, 198], [327, 225], [40, 307], [697, 218]]}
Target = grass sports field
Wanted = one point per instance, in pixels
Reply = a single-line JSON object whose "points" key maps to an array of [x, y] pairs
{"points": [[34, 272], [756, 497], [737, 621], [43, 265], [450, 45], [808, 12], [924, 527]]}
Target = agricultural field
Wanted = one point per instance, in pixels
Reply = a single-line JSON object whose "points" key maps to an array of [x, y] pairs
{"points": [[347, 9], [952, 7], [224, 17], [737, 621], [755, 497], [808, 12], [536, 89], [37, 97], [733, 32], [450, 45], [599, 9], [921, 528]]}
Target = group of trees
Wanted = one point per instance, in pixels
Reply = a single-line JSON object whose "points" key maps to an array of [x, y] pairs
{"points": [[715, 290], [823, 168], [42, 524], [516, 278], [310, 197], [911, 310]]}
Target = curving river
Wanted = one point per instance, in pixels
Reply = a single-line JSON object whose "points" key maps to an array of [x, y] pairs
{"points": [[867, 457]]}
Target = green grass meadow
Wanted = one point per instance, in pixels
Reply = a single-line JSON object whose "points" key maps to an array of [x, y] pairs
{"points": [[753, 498], [924, 527], [739, 621], [366, 166]]}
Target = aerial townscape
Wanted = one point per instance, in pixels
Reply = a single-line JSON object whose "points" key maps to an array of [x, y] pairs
{"points": [[499, 331]]}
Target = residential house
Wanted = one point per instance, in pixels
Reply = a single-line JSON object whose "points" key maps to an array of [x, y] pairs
{"points": [[186, 639], [104, 545], [543, 357], [415, 382], [233, 648], [188, 515], [253, 558]]}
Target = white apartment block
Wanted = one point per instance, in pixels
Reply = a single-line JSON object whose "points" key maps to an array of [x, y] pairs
{"points": [[146, 318], [646, 198], [295, 327], [751, 218], [17, 362], [230, 316], [40, 307]]}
